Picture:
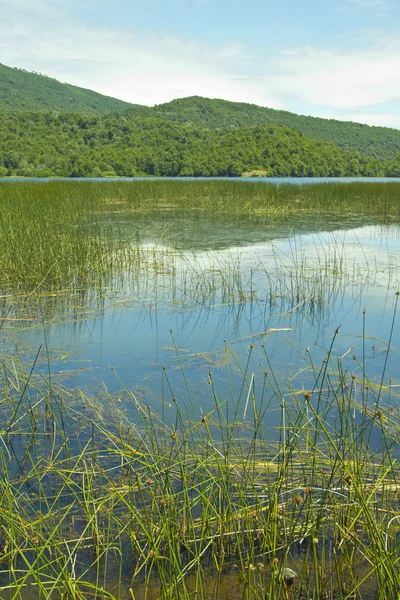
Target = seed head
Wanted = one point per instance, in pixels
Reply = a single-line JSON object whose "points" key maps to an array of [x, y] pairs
{"points": [[348, 479]]}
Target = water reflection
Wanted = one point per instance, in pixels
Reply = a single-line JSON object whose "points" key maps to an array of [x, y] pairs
{"points": [[198, 232], [235, 312], [223, 286]]}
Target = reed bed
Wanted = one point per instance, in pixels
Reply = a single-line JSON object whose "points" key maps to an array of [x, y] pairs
{"points": [[103, 496], [235, 197], [97, 503], [59, 234], [289, 282]]}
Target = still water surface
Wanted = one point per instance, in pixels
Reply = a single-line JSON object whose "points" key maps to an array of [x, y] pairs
{"points": [[220, 287], [227, 297], [274, 180]]}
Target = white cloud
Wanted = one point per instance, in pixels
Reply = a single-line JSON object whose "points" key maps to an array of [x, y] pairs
{"points": [[338, 79], [45, 36], [144, 69]]}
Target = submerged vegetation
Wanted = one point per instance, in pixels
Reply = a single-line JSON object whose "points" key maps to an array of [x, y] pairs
{"points": [[113, 495], [95, 504]]}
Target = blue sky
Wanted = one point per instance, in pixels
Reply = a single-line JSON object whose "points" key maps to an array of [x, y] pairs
{"points": [[330, 58]]}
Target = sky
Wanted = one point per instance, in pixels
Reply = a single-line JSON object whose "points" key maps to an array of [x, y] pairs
{"points": [[327, 58]]}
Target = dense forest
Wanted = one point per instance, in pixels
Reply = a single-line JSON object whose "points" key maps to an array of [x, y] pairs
{"points": [[23, 91], [48, 128], [73, 145], [378, 142]]}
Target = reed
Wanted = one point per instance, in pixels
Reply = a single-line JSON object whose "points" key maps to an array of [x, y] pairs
{"points": [[103, 496], [61, 235], [97, 503]]}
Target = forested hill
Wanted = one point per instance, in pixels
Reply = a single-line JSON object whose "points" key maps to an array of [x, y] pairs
{"points": [[71, 145], [23, 91], [378, 142]]}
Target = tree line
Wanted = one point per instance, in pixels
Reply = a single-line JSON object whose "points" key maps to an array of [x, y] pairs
{"points": [[47, 144]]}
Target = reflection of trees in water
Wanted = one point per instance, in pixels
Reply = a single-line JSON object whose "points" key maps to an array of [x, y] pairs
{"points": [[308, 279], [199, 232]]}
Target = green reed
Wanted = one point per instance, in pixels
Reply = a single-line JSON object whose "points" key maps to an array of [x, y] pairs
{"points": [[59, 231], [107, 497], [103, 497], [61, 246]]}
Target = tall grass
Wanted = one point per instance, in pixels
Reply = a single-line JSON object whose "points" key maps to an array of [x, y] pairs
{"points": [[58, 234], [96, 504], [369, 198], [105, 497]]}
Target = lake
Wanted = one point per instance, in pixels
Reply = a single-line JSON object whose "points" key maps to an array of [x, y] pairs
{"points": [[170, 373], [223, 281], [224, 285], [271, 180]]}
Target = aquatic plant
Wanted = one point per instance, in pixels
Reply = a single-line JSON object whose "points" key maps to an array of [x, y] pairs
{"points": [[112, 496], [98, 503], [60, 233]]}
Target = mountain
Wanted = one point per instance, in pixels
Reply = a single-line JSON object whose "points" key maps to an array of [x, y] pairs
{"points": [[23, 91], [27, 93], [377, 142]]}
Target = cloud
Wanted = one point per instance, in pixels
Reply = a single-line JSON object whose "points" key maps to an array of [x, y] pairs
{"points": [[142, 67], [368, 3], [145, 69], [346, 80]]}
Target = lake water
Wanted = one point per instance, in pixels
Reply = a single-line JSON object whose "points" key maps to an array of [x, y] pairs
{"points": [[273, 180], [229, 296], [256, 307]]}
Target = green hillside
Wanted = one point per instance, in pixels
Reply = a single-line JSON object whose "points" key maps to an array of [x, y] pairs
{"points": [[378, 142], [72, 145], [23, 91]]}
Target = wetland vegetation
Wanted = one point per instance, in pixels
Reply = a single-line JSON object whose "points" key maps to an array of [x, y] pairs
{"points": [[259, 435], [56, 233]]}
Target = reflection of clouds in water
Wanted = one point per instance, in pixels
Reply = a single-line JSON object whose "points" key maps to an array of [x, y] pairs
{"points": [[369, 255], [232, 294]]}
